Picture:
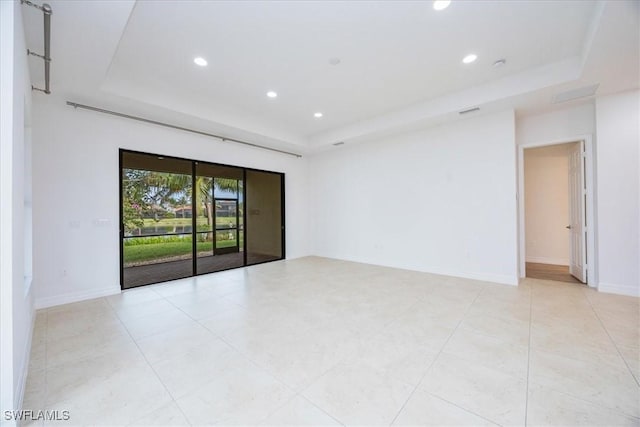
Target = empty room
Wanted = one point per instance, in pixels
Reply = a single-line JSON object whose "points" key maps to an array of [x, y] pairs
{"points": [[327, 213]]}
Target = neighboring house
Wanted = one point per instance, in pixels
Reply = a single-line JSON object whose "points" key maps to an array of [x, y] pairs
{"points": [[183, 211]]}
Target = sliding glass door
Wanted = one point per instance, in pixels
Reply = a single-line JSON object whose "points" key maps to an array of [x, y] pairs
{"points": [[265, 211], [156, 224], [220, 237], [181, 217]]}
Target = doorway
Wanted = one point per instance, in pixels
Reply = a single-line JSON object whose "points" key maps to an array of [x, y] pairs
{"points": [[555, 207]]}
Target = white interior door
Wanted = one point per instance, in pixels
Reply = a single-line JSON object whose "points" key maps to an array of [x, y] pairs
{"points": [[577, 218]]}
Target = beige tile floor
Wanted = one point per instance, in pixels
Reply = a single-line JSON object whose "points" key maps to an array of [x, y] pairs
{"points": [[315, 341]]}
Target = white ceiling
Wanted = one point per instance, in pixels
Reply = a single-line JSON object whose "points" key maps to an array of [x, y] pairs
{"points": [[400, 61]]}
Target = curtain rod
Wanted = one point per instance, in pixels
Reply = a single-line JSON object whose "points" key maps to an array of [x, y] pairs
{"points": [[46, 57], [168, 125]]}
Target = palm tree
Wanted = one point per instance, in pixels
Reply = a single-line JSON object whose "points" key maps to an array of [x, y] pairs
{"points": [[149, 189], [205, 184], [181, 183]]}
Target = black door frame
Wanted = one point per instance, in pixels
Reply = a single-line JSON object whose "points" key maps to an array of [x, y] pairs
{"points": [[194, 232]]}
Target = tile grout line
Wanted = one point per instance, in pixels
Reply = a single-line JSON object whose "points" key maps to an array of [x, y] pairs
{"points": [[296, 393], [438, 356], [196, 321], [250, 360], [215, 296], [319, 408], [173, 399], [592, 403], [277, 409], [160, 297], [317, 377], [582, 399], [637, 381], [483, 290], [299, 393], [526, 397], [458, 406], [165, 298]]}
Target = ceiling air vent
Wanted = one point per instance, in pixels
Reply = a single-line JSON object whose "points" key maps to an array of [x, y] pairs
{"points": [[570, 95], [470, 110]]}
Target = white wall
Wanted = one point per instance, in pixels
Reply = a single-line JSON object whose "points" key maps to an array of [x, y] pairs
{"points": [[546, 179], [618, 135], [617, 181], [556, 125], [441, 200], [75, 154], [16, 298], [572, 123]]}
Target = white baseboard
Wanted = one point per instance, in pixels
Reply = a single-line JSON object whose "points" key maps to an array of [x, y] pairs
{"points": [[547, 260], [76, 297], [483, 277], [611, 288], [495, 278], [22, 382]]}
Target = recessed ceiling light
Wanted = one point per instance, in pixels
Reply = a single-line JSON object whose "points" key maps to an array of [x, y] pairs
{"points": [[200, 61], [469, 58], [317, 115], [272, 94], [441, 4]]}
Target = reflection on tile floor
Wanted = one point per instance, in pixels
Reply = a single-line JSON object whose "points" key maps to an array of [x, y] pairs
{"points": [[315, 341]]}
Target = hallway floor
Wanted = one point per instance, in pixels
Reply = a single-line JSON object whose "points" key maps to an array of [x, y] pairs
{"points": [[559, 273], [315, 341]]}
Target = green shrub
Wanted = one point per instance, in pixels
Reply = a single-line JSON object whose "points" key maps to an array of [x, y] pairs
{"points": [[135, 241]]}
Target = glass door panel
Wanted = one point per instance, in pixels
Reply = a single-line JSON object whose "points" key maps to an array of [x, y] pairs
{"points": [[222, 244], [180, 218], [227, 226], [157, 241], [205, 240], [264, 217]]}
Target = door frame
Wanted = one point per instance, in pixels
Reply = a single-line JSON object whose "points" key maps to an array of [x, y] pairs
{"points": [[577, 212], [231, 249], [283, 233], [589, 173]]}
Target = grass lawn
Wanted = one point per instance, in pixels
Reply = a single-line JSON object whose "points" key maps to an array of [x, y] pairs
{"points": [[140, 253]]}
